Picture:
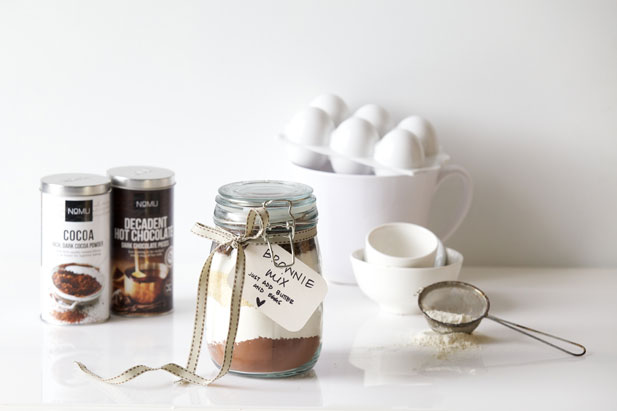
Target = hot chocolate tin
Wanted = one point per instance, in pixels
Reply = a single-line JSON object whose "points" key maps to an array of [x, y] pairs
{"points": [[142, 240]]}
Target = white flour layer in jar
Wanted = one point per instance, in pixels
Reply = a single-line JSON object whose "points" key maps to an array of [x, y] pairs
{"points": [[253, 324]]}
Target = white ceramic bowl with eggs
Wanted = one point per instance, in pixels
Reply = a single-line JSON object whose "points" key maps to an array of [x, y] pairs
{"points": [[396, 289], [323, 137]]}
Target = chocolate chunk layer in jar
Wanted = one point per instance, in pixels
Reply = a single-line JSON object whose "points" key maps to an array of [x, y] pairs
{"points": [[262, 347]]}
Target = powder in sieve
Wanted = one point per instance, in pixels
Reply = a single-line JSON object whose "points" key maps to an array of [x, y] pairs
{"points": [[449, 318]]}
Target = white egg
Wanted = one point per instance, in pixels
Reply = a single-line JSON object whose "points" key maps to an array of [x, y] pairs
{"points": [[424, 131], [355, 137], [376, 115], [333, 105], [311, 126], [398, 149]]}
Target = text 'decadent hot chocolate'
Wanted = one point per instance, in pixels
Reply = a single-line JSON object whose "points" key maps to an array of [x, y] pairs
{"points": [[142, 240], [265, 344], [75, 286]]}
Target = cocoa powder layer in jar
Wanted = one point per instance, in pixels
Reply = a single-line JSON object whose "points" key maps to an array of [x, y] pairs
{"points": [[268, 355]]}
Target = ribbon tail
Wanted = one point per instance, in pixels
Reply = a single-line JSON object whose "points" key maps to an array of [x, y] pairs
{"points": [[234, 314], [200, 314], [187, 374], [121, 378], [175, 369]]}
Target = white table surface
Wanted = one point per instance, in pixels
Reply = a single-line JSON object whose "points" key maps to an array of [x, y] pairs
{"points": [[367, 361]]}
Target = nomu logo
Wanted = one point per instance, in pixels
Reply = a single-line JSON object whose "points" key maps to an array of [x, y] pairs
{"points": [[78, 211], [146, 200], [146, 203]]}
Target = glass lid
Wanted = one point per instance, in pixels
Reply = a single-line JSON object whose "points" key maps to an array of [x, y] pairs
{"points": [[257, 192], [235, 199]]}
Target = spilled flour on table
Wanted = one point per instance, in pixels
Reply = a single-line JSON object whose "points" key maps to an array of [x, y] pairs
{"points": [[445, 344]]}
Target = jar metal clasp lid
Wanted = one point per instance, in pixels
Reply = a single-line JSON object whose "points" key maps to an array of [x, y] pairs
{"points": [[289, 225]]}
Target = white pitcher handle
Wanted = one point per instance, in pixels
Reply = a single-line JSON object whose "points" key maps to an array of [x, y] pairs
{"points": [[456, 171]]}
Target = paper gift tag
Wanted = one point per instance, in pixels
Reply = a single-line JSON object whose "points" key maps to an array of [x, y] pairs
{"points": [[290, 295]]}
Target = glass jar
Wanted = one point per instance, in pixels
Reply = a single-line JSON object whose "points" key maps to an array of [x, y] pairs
{"points": [[262, 347]]}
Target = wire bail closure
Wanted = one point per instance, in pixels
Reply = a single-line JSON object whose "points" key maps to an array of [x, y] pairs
{"points": [[289, 225]]}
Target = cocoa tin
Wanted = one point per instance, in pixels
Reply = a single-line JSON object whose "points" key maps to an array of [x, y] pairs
{"points": [[75, 243]]}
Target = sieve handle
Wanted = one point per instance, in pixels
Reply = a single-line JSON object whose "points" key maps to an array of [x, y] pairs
{"points": [[523, 330]]}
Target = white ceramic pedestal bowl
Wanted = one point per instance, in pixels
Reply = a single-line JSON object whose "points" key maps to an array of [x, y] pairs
{"points": [[395, 289]]}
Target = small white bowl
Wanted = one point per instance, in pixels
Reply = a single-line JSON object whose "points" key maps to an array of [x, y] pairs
{"points": [[395, 289], [401, 245]]}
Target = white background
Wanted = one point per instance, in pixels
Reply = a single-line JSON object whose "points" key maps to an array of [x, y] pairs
{"points": [[522, 94]]}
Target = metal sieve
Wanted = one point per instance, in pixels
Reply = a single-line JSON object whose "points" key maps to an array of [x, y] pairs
{"points": [[458, 297]]}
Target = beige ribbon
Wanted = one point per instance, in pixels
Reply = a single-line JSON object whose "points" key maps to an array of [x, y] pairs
{"points": [[224, 239]]}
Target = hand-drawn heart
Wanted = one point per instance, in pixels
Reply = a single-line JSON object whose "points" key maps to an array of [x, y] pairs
{"points": [[260, 302]]}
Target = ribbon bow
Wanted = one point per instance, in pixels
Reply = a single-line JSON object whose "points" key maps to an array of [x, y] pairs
{"points": [[224, 239]]}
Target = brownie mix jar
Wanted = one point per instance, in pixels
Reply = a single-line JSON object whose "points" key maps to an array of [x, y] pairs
{"points": [[263, 347], [75, 241], [142, 240]]}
